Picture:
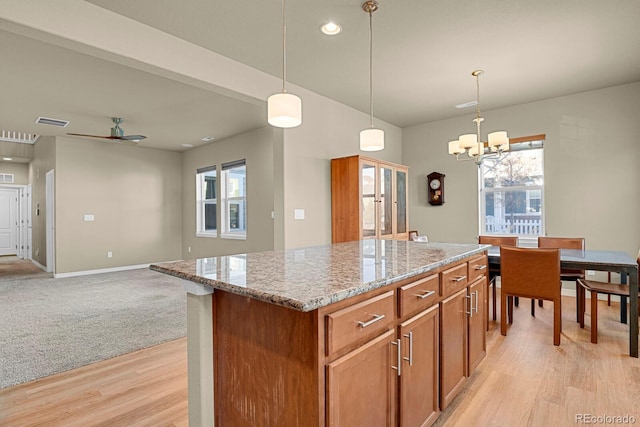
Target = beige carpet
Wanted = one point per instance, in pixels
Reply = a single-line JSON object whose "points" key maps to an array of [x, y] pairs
{"points": [[12, 267]]}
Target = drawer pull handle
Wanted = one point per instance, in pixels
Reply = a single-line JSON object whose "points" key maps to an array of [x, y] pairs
{"points": [[459, 278], [481, 267], [426, 294], [376, 318], [398, 345], [410, 358]]}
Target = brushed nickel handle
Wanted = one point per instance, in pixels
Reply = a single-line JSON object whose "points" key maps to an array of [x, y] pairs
{"points": [[477, 297], [470, 298], [459, 278], [481, 267], [410, 358], [399, 367], [376, 318], [426, 294]]}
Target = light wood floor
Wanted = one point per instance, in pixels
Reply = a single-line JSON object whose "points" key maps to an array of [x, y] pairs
{"points": [[524, 381]]}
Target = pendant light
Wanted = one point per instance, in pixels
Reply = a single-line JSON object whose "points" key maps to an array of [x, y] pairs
{"points": [[371, 139], [284, 110]]}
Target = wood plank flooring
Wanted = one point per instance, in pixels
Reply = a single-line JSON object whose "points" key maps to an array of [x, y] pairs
{"points": [[524, 381]]}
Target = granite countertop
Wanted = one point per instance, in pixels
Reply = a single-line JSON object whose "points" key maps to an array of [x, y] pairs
{"points": [[308, 278]]}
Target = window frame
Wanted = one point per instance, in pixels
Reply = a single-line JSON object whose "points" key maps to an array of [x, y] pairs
{"points": [[226, 201], [516, 144], [201, 202]]}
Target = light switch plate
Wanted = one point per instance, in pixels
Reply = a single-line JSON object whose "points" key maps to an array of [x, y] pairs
{"points": [[89, 217], [298, 214]]}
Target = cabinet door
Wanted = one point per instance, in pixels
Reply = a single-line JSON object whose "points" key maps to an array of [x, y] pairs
{"points": [[401, 222], [361, 386], [369, 187], [477, 323], [419, 376], [386, 205], [453, 346]]}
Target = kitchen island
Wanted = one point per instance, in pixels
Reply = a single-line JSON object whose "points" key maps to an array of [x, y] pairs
{"points": [[372, 332]]}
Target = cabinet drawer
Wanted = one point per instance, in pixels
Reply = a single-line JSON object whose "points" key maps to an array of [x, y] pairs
{"points": [[454, 279], [419, 295], [359, 321], [477, 267]]}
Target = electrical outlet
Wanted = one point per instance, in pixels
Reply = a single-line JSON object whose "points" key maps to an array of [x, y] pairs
{"points": [[189, 249], [109, 254]]}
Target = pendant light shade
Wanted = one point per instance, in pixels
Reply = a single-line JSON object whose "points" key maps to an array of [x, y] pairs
{"points": [[284, 110], [371, 139]]}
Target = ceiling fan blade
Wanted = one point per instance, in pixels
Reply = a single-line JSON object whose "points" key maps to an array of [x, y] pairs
{"points": [[132, 137], [92, 136]]}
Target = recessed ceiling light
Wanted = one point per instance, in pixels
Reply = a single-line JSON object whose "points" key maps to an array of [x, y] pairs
{"points": [[208, 138], [7, 159], [331, 29], [187, 145]]}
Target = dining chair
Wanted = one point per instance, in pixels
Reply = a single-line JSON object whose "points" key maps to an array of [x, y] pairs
{"points": [[569, 275], [494, 272], [595, 287], [530, 273]]}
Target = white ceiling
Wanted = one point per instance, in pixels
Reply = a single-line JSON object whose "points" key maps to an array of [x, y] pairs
{"points": [[424, 52]]}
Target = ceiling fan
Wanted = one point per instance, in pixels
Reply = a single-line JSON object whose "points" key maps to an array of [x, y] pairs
{"points": [[117, 133]]}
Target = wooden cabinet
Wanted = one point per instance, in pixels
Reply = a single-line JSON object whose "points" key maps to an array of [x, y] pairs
{"points": [[394, 356], [453, 346], [419, 405], [463, 314], [477, 322], [361, 386], [369, 199]]}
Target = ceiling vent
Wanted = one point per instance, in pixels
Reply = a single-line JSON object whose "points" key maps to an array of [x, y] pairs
{"points": [[52, 122]]}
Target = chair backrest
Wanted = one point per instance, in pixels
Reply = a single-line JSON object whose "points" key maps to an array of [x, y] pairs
{"points": [[530, 272], [563, 243], [498, 240]]}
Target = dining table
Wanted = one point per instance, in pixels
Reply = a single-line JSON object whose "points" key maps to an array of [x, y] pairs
{"points": [[605, 260]]}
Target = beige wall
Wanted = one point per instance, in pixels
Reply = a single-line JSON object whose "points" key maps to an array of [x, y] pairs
{"points": [[134, 194], [329, 130], [20, 171], [44, 160], [591, 158], [257, 147]]}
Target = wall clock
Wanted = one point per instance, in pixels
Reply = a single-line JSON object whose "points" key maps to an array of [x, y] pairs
{"points": [[435, 188]]}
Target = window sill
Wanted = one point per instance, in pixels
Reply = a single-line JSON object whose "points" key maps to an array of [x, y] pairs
{"points": [[234, 236], [207, 235]]}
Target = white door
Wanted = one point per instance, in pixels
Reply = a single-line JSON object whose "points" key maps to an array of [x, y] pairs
{"points": [[24, 223], [8, 226]]}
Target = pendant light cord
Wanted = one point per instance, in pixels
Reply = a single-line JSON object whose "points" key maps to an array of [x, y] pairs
{"points": [[284, 46], [371, 68]]}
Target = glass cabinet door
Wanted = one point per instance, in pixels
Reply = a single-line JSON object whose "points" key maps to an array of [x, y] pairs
{"points": [[401, 201], [386, 201], [368, 185]]}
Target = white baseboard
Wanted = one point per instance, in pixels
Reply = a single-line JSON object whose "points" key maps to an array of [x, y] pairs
{"points": [[101, 270], [37, 264]]}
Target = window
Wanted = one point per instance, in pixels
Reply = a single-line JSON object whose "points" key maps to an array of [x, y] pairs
{"points": [[206, 200], [233, 181], [512, 189]]}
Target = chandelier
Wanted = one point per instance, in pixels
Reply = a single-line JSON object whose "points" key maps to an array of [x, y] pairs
{"points": [[470, 146]]}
